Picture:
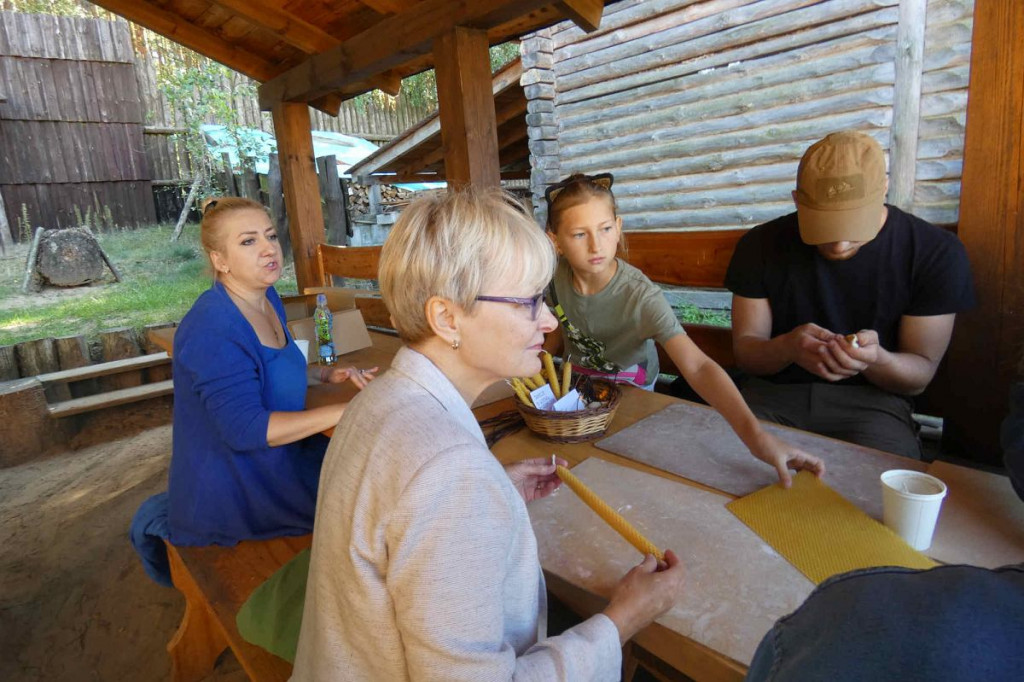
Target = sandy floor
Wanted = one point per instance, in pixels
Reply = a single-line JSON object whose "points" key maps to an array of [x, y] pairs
{"points": [[75, 603]]}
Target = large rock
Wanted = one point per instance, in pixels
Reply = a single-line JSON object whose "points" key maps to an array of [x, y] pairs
{"points": [[69, 257]]}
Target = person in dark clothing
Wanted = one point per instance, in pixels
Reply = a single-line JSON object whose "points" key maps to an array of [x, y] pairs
{"points": [[843, 309]]}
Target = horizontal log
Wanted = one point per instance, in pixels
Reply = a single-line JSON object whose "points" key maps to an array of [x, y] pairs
{"points": [[718, 217], [664, 33], [953, 78], [739, 176], [707, 119], [652, 16], [803, 130], [104, 369], [110, 399], [767, 37], [721, 196], [939, 169], [822, 60]]}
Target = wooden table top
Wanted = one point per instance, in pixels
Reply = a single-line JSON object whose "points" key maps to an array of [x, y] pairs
{"points": [[692, 658]]}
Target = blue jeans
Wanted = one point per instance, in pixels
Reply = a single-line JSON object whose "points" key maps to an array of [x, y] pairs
{"points": [[944, 624]]}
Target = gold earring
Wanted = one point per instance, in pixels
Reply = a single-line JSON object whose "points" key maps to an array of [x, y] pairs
{"points": [[455, 344]]}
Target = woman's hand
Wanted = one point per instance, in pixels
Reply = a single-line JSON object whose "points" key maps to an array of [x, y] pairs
{"points": [[359, 377], [783, 456], [645, 593], [535, 478]]}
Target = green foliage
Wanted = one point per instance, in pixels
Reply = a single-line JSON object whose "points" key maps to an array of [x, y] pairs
{"points": [[161, 282], [62, 8], [691, 314]]}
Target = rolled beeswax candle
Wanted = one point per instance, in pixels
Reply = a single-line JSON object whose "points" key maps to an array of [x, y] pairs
{"points": [[610, 516]]}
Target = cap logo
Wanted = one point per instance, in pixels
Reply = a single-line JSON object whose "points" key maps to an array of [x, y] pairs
{"points": [[849, 188]]}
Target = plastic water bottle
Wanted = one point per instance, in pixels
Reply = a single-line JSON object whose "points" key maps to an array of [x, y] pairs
{"points": [[323, 323]]}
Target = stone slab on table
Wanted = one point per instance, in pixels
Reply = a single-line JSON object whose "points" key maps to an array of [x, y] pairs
{"points": [[736, 584], [695, 442]]}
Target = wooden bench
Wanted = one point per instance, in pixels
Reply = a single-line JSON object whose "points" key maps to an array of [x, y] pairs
{"points": [[686, 259], [215, 582], [689, 259], [122, 396]]}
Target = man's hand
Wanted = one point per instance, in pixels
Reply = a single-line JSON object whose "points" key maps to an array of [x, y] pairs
{"points": [[809, 348], [844, 358]]}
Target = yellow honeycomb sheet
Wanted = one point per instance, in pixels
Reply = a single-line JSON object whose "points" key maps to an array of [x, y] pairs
{"points": [[820, 532]]}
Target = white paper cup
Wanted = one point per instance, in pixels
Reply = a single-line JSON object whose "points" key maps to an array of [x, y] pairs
{"points": [[304, 347], [910, 505]]}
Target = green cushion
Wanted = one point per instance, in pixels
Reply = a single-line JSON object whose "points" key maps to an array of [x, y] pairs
{"points": [[272, 615]]}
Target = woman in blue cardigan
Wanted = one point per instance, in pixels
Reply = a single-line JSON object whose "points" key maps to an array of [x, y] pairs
{"points": [[246, 451]]}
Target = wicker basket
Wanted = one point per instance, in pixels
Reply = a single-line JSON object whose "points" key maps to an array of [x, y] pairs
{"points": [[572, 427]]}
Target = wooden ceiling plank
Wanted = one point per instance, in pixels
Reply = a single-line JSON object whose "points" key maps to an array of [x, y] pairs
{"points": [[390, 43], [286, 25], [389, 6], [174, 28], [584, 13]]}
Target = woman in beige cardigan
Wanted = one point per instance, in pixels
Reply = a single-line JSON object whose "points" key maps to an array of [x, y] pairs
{"points": [[424, 563]]}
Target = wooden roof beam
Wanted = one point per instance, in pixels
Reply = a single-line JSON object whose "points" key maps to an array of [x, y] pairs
{"points": [[390, 43], [584, 13], [205, 42], [306, 37]]}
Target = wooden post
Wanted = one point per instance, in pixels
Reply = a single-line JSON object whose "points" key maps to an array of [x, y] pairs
{"points": [[906, 105], [227, 176], [73, 353], [988, 342], [120, 344], [301, 189], [330, 190], [251, 184], [196, 182], [344, 209], [6, 239], [31, 283], [8, 364], [26, 429], [275, 200], [466, 108]]}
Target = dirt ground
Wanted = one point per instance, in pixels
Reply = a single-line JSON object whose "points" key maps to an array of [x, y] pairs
{"points": [[75, 603]]}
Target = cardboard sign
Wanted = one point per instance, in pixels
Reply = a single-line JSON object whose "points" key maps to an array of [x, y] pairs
{"points": [[349, 332]]}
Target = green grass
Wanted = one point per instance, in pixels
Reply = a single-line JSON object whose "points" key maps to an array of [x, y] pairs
{"points": [[691, 314], [160, 281]]}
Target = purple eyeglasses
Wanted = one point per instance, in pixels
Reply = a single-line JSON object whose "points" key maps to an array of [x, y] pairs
{"points": [[533, 303]]}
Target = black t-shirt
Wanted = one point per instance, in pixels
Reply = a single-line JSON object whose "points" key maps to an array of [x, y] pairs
{"points": [[910, 268]]}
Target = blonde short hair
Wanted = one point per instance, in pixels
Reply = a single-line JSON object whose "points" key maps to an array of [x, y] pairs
{"points": [[451, 246]]}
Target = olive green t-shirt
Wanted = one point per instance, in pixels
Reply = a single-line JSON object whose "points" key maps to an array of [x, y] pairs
{"points": [[625, 319]]}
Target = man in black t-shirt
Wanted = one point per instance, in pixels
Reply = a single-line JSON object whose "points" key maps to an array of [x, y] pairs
{"points": [[845, 308]]}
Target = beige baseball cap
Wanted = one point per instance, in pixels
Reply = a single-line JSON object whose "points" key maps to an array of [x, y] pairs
{"points": [[840, 189]]}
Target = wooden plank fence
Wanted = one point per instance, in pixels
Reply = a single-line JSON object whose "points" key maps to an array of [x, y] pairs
{"points": [[71, 125]]}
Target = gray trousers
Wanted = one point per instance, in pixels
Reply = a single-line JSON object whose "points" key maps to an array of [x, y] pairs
{"points": [[865, 415]]}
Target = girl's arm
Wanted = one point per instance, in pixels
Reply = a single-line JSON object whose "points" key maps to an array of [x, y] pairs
{"points": [[714, 385]]}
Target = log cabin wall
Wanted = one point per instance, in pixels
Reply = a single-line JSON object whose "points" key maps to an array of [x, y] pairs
{"points": [[702, 109], [71, 126]]}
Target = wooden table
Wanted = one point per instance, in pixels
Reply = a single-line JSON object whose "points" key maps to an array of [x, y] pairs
{"points": [[682, 653]]}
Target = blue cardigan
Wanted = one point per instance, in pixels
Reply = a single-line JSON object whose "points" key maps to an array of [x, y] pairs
{"points": [[226, 484]]}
